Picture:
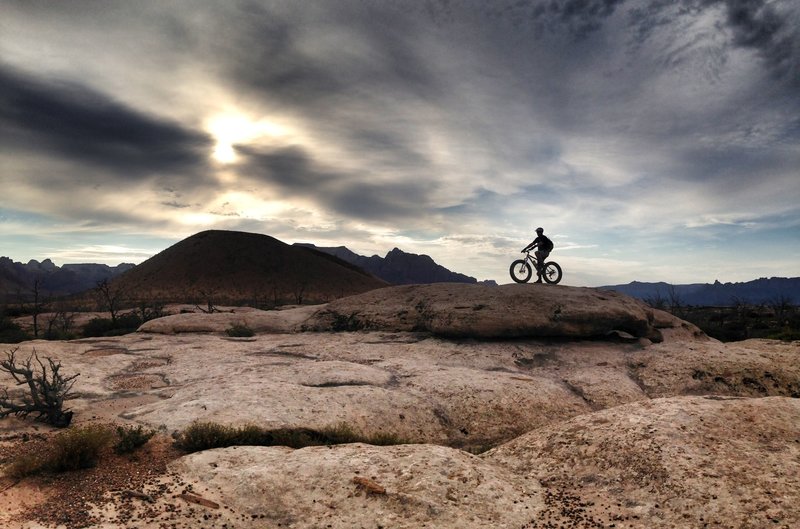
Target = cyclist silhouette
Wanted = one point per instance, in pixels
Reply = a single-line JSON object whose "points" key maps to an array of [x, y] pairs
{"points": [[544, 246]]}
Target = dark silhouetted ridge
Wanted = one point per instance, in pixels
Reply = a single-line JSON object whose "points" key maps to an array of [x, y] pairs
{"points": [[236, 267], [17, 279], [398, 267]]}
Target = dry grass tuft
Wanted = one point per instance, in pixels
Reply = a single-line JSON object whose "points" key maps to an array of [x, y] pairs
{"points": [[207, 435]]}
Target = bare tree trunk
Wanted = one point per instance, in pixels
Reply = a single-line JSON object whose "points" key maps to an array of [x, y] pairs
{"points": [[110, 298], [37, 305]]}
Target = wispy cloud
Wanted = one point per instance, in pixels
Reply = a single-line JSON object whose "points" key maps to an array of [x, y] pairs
{"points": [[636, 130]]}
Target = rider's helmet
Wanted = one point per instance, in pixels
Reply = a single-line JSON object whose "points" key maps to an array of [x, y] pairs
{"points": [[539, 230]]}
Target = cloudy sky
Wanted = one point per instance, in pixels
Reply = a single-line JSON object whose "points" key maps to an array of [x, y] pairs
{"points": [[653, 140]]}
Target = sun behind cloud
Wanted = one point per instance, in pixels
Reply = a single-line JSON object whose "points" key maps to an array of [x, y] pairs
{"points": [[235, 128]]}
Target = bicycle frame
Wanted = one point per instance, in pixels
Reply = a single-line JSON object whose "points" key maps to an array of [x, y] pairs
{"points": [[532, 259]]}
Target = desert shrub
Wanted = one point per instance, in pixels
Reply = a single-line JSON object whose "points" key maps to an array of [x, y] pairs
{"points": [[125, 324], [341, 433], [207, 435], [131, 438], [73, 449], [786, 334], [347, 323], [129, 321], [10, 332], [79, 447], [15, 311], [385, 439], [239, 330], [97, 327], [150, 310], [58, 334]]}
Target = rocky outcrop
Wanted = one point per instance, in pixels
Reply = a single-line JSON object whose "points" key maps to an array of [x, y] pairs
{"points": [[459, 311], [478, 311]]}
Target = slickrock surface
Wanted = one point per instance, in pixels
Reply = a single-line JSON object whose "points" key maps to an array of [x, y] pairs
{"points": [[275, 321], [357, 485], [481, 311], [456, 311], [715, 462], [571, 393]]}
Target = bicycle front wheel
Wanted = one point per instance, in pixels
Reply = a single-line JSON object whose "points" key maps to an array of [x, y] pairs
{"points": [[552, 273], [520, 271]]}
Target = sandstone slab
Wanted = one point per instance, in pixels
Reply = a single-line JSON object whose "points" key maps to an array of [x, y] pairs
{"points": [[679, 462], [353, 486], [482, 311], [273, 321]]}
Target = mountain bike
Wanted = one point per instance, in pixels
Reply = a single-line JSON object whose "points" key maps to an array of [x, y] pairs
{"points": [[522, 269]]}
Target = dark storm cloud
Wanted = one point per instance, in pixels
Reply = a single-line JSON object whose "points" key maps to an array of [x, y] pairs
{"points": [[560, 63], [260, 50], [277, 57], [754, 24], [294, 173], [382, 202], [290, 169], [758, 25], [580, 16], [85, 126]]}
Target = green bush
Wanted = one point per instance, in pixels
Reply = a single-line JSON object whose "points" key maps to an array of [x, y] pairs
{"points": [[73, 449], [207, 435], [131, 438], [239, 330]]}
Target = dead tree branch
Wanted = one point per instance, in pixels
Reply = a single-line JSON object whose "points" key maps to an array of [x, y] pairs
{"points": [[47, 389]]}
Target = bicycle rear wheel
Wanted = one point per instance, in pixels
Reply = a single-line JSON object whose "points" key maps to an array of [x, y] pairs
{"points": [[552, 273], [520, 271]]}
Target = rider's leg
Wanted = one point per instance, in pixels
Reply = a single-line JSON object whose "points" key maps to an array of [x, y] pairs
{"points": [[539, 262], [540, 259]]}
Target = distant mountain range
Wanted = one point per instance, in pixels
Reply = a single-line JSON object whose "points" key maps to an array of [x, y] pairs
{"points": [[17, 279], [398, 267], [232, 266], [764, 290], [236, 266]]}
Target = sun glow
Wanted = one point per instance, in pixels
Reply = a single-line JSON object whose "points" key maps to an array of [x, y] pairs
{"points": [[248, 206], [231, 129]]}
